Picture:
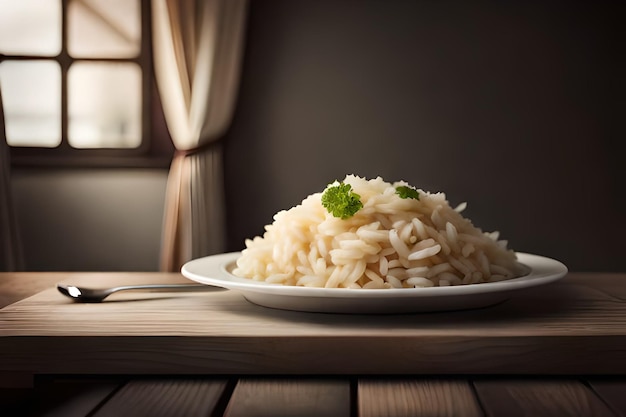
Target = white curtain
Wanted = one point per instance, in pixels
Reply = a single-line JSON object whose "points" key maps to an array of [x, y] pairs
{"points": [[197, 57], [10, 248]]}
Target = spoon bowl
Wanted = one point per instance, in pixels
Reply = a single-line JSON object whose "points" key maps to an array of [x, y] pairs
{"points": [[96, 295]]}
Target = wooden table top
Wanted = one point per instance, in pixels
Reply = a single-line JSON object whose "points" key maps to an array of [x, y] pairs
{"points": [[553, 350], [574, 326]]}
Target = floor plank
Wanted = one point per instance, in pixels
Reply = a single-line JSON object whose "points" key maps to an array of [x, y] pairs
{"points": [[73, 397], [15, 402], [613, 392], [546, 398], [411, 398], [57, 397], [165, 398], [290, 398]]}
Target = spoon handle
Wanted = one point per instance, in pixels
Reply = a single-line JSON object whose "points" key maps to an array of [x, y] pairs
{"points": [[93, 295], [169, 287]]}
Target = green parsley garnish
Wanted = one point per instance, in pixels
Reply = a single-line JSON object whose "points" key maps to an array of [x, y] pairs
{"points": [[407, 192], [341, 201]]}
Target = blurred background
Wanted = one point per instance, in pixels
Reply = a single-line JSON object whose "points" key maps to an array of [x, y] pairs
{"points": [[517, 108]]}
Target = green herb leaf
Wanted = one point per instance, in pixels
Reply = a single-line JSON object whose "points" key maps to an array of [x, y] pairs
{"points": [[341, 201], [407, 192]]}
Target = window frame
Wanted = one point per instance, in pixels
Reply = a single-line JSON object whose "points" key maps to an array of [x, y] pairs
{"points": [[154, 150]]}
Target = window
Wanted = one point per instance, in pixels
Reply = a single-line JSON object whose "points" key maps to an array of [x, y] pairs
{"points": [[76, 76]]}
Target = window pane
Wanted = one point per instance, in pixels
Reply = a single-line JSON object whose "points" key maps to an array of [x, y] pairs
{"points": [[30, 27], [104, 28], [31, 95], [104, 102]]}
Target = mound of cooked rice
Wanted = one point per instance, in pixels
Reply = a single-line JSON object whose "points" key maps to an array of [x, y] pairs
{"points": [[391, 242]]}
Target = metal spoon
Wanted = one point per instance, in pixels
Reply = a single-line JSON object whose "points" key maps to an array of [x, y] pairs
{"points": [[93, 295]]}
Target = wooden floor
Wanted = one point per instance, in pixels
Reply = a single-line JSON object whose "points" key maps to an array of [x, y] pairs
{"points": [[315, 397]]}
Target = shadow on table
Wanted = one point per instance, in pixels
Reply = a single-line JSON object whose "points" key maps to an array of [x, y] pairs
{"points": [[553, 302]]}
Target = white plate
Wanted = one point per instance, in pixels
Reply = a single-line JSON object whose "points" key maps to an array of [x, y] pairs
{"points": [[214, 270]]}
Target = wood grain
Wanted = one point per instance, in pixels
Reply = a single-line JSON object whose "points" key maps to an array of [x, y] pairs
{"points": [[583, 304], [613, 392], [300, 396], [421, 397], [164, 398], [290, 398], [15, 286], [57, 398], [71, 397], [548, 398], [575, 326]]}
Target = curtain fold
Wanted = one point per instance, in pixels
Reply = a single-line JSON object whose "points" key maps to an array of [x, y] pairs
{"points": [[198, 47], [10, 247]]}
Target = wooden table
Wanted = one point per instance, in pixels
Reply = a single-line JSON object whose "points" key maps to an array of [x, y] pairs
{"points": [[553, 350]]}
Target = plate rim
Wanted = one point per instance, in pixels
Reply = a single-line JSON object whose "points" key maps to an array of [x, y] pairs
{"points": [[544, 270]]}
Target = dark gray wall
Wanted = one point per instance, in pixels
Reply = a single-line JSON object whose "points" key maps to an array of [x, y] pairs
{"points": [[515, 107], [90, 219]]}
